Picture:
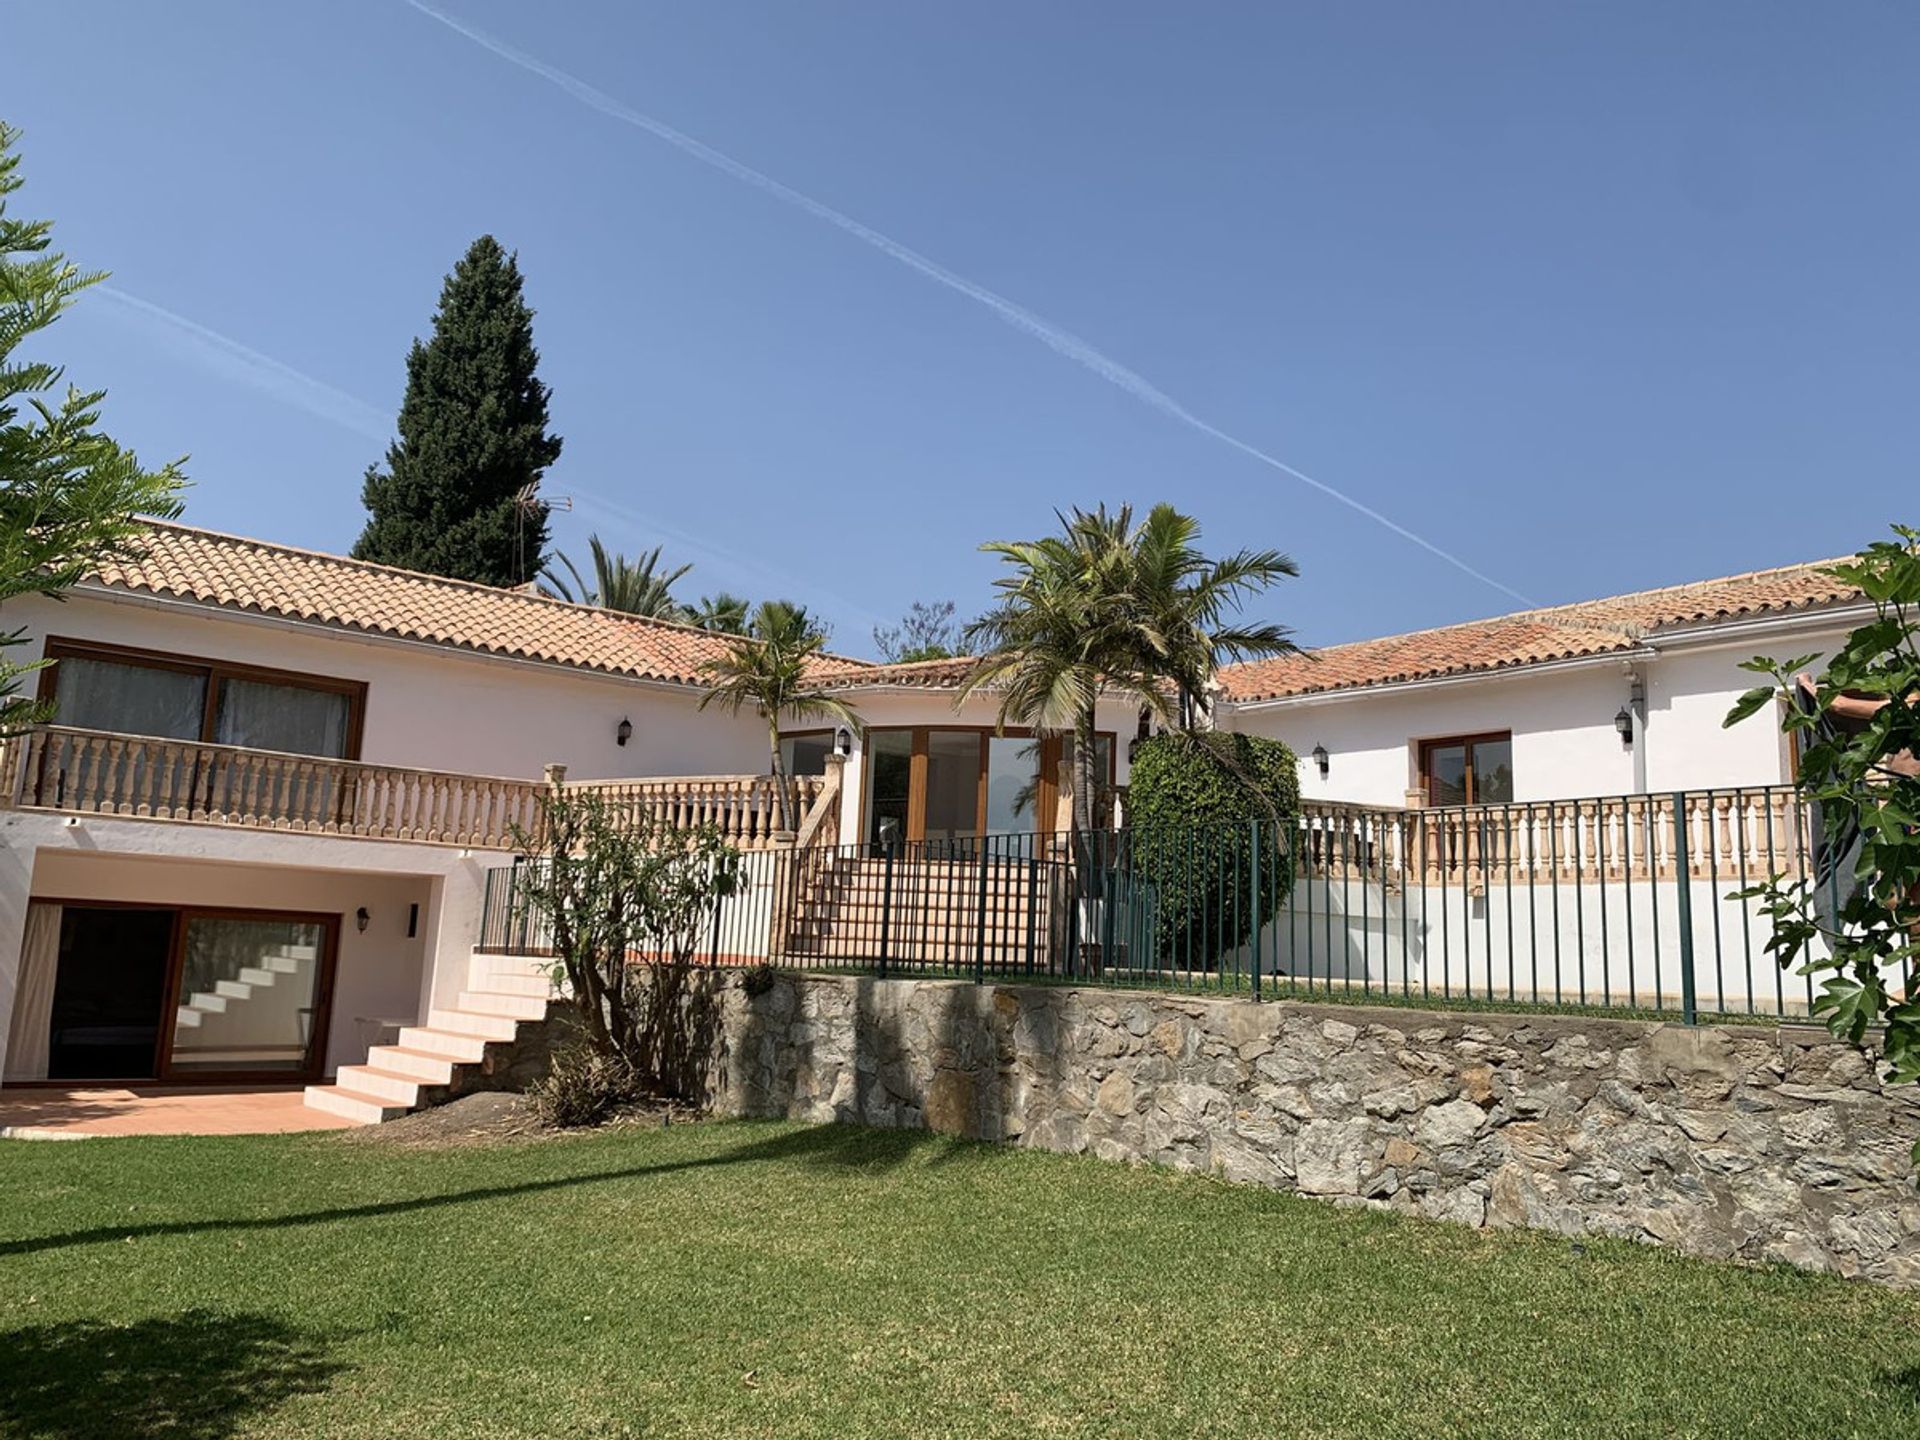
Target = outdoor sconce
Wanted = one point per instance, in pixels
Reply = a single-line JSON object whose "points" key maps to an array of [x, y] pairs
{"points": [[623, 732], [360, 919], [1321, 760], [1623, 723], [843, 742]]}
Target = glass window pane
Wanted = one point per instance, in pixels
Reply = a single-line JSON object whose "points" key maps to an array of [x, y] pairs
{"points": [[805, 754], [1013, 782], [953, 783], [1447, 775], [129, 699], [1493, 772], [293, 719], [248, 993], [890, 778]]}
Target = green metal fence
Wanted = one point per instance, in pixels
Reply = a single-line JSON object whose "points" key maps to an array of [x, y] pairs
{"points": [[1618, 903]]}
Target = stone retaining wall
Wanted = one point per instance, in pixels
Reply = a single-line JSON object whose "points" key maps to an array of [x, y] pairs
{"points": [[1728, 1141]]}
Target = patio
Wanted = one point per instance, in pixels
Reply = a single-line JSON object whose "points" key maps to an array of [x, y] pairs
{"points": [[81, 1111]]}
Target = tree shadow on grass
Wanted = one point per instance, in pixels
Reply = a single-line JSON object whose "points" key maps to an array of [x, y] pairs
{"points": [[838, 1147], [199, 1375]]}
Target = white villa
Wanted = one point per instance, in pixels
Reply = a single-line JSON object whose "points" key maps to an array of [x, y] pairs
{"points": [[257, 844]]}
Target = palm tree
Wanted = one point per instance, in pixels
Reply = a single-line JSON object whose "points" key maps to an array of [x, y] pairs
{"points": [[1191, 598], [725, 613], [1110, 607], [633, 587], [768, 668]]}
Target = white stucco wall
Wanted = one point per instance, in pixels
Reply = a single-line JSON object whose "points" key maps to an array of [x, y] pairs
{"points": [[381, 973], [432, 708], [1564, 741], [1689, 692]]}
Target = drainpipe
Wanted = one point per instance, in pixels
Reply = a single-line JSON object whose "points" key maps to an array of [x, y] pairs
{"points": [[1637, 707]]}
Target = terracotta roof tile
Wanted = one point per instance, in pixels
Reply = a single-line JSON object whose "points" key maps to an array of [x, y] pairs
{"points": [[946, 674], [315, 588], [1534, 637]]}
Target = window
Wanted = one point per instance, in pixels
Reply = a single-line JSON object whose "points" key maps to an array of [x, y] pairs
{"points": [[1468, 770], [949, 783], [805, 752], [135, 692]]}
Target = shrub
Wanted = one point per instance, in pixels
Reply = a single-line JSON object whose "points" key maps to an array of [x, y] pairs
{"points": [[583, 1086], [758, 980], [1194, 805]]}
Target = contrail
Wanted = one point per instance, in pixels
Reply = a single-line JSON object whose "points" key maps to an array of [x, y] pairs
{"points": [[263, 372], [236, 360], [1053, 336]]}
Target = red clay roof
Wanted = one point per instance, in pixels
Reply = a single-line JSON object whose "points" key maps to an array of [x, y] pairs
{"points": [[947, 674], [1534, 637], [305, 585]]}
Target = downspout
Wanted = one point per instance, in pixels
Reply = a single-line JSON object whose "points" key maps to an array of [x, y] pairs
{"points": [[1637, 707]]}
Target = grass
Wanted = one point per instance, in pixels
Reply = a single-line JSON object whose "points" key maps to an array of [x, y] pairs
{"points": [[772, 1280]]}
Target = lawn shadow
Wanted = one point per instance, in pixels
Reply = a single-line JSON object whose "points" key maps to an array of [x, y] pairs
{"points": [[199, 1375], [837, 1146]]}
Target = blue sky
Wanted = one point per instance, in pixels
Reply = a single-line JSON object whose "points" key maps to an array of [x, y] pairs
{"points": [[1588, 297]]}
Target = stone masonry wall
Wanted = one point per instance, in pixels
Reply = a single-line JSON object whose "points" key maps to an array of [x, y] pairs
{"points": [[1749, 1142]]}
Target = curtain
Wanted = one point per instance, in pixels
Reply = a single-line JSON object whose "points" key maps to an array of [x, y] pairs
{"points": [[29, 1033], [129, 699], [289, 718]]}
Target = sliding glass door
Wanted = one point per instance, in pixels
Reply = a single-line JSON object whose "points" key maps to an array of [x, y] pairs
{"points": [[163, 993], [937, 783], [249, 997]]}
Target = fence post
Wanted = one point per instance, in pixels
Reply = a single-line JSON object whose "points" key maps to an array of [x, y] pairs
{"points": [[1683, 877], [1253, 903], [980, 921], [886, 905]]}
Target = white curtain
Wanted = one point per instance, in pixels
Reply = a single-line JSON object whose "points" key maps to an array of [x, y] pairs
{"points": [[29, 1032]]}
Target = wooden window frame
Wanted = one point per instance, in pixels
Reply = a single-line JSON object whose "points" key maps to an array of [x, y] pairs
{"points": [[217, 672], [1046, 799], [1427, 747], [163, 1073]]}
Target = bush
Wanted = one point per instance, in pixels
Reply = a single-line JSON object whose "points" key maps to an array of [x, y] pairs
{"points": [[583, 1086], [1194, 803], [758, 980]]}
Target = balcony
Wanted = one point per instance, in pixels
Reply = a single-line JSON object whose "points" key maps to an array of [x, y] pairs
{"points": [[88, 772]]}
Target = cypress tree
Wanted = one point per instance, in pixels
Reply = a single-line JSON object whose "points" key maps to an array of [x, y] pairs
{"points": [[456, 497]]}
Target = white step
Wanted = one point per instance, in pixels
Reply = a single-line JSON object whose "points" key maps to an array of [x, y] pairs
{"points": [[295, 952], [281, 964], [367, 1109], [188, 1016], [212, 1004], [233, 989], [493, 1002], [421, 1065], [467, 1022], [483, 968], [502, 983], [256, 977], [443, 1042], [379, 1084]]}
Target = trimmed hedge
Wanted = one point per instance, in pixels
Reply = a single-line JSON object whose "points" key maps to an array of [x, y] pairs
{"points": [[1193, 804]]}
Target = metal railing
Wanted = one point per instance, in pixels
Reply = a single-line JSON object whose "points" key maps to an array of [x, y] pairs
{"points": [[1619, 903]]}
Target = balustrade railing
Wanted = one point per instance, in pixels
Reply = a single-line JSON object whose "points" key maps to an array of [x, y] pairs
{"points": [[89, 772], [743, 808], [1747, 832]]}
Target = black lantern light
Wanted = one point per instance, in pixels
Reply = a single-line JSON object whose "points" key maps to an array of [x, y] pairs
{"points": [[843, 742], [1321, 760], [360, 919], [1623, 725], [623, 732]]}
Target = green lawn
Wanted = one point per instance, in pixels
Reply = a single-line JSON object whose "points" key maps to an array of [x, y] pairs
{"points": [[770, 1280]]}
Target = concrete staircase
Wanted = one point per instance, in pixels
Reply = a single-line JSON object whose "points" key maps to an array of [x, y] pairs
{"points": [[425, 1062], [264, 1004]]}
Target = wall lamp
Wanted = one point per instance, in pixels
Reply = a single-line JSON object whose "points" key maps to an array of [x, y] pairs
{"points": [[360, 919], [1623, 724], [623, 732], [1321, 760], [843, 742]]}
